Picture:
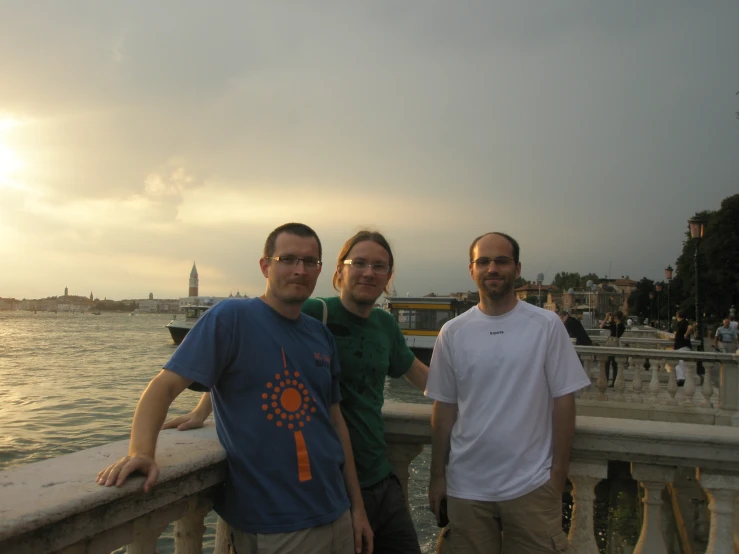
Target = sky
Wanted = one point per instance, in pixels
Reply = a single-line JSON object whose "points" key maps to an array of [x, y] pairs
{"points": [[138, 137]]}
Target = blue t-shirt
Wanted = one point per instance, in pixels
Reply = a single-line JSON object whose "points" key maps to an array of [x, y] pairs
{"points": [[273, 381]]}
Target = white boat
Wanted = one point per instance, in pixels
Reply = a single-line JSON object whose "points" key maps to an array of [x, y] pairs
{"points": [[178, 328], [420, 319]]}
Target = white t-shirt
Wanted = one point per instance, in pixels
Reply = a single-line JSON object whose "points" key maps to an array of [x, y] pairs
{"points": [[502, 372]]}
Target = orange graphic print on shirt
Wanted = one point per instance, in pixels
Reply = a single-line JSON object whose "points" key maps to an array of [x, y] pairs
{"points": [[289, 405]]}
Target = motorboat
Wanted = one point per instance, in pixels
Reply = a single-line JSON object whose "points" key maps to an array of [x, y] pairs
{"points": [[420, 319], [179, 327]]}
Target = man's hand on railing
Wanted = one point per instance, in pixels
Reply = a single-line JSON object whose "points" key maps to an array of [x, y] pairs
{"points": [[193, 420], [117, 473]]}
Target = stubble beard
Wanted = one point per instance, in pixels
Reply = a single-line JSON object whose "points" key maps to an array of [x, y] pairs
{"points": [[505, 289]]}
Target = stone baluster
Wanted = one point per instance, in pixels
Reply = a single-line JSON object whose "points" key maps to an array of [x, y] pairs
{"points": [[672, 388], [653, 478], [189, 529], [146, 532], [721, 490], [602, 381], [401, 455], [584, 477], [654, 386], [689, 386], [707, 388], [221, 545], [619, 384], [636, 384]]}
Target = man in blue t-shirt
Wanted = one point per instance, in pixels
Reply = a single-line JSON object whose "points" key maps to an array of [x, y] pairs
{"points": [[268, 365], [371, 347]]}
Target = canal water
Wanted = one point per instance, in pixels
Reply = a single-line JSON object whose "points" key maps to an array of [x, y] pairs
{"points": [[71, 381]]}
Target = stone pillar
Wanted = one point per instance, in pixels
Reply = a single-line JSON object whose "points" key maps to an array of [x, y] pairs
{"points": [[721, 490], [707, 389], [729, 385], [584, 477], [689, 386], [401, 455], [619, 384], [636, 365], [654, 386], [189, 529], [653, 478], [602, 381], [221, 546]]}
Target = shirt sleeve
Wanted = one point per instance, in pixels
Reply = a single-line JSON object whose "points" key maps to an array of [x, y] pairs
{"points": [[401, 356], [442, 382], [562, 368], [206, 351]]}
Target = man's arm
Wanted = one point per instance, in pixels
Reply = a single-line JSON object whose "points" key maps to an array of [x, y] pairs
{"points": [[147, 421], [417, 374], [443, 417], [196, 418], [360, 523], [563, 431]]}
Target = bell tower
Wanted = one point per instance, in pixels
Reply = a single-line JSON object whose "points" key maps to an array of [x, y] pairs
{"points": [[193, 281]]}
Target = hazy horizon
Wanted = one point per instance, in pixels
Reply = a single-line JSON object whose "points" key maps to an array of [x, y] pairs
{"points": [[138, 137]]}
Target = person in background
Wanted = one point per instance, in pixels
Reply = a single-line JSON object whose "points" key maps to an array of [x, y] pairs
{"points": [[616, 328], [575, 329], [725, 338], [371, 347], [273, 374], [682, 343]]}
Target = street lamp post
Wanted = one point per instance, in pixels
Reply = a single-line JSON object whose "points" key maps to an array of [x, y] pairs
{"points": [[589, 286], [658, 288], [651, 307], [697, 228], [539, 279], [668, 276]]}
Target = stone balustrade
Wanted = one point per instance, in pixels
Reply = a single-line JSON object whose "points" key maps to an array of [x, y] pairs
{"points": [[56, 505], [646, 386]]}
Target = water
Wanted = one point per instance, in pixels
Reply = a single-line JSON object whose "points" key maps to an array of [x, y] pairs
{"points": [[71, 381]]}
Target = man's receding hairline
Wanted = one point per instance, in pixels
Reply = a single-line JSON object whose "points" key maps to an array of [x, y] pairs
{"points": [[497, 234]]}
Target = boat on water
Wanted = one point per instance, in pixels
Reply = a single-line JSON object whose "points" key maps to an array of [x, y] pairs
{"points": [[178, 328], [420, 319]]}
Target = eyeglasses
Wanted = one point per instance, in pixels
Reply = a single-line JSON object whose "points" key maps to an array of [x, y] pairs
{"points": [[361, 265], [500, 261], [292, 261]]}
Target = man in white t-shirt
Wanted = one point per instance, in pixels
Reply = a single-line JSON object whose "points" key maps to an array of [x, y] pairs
{"points": [[725, 338], [503, 377]]}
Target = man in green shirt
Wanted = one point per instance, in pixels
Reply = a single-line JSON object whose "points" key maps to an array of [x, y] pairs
{"points": [[371, 347]]}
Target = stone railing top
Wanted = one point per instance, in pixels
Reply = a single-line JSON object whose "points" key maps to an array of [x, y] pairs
{"points": [[43, 493], [655, 353], [61, 493], [668, 443]]}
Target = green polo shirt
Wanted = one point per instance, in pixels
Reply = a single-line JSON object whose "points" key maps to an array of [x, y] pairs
{"points": [[369, 350]]}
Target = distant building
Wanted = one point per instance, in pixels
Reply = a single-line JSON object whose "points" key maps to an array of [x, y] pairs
{"points": [[66, 291], [549, 295], [194, 281], [9, 304]]}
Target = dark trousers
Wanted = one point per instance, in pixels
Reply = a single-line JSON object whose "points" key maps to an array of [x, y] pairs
{"points": [[609, 361], [389, 518]]}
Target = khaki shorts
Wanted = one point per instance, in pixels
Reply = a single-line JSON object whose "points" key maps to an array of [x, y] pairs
{"points": [[336, 537], [530, 524]]}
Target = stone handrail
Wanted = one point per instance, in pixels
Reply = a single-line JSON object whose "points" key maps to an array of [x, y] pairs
{"points": [[653, 393], [56, 506]]}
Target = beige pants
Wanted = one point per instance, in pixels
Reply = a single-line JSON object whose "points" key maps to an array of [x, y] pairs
{"points": [[530, 524], [336, 537]]}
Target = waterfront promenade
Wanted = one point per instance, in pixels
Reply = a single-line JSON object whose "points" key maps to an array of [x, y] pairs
{"points": [[680, 443]]}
